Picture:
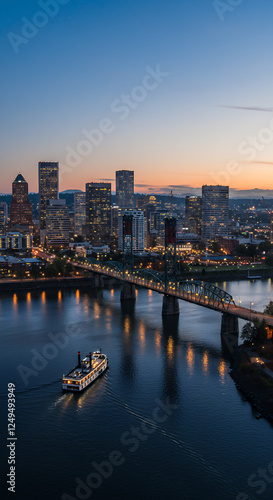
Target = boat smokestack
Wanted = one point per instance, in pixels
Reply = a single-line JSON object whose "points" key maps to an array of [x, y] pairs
{"points": [[79, 359], [90, 360]]}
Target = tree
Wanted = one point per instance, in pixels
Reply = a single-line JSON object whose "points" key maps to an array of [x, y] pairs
{"points": [[35, 271], [215, 247], [269, 308], [265, 246], [68, 269], [269, 261], [254, 331], [20, 273]]}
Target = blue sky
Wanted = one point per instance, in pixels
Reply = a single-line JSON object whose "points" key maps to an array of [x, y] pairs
{"points": [[68, 75]]}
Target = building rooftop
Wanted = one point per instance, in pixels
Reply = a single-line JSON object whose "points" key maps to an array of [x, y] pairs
{"points": [[19, 178]]}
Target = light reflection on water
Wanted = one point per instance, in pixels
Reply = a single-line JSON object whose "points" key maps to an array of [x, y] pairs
{"points": [[207, 440]]}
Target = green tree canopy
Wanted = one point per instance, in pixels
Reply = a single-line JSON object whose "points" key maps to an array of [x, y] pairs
{"points": [[254, 331]]}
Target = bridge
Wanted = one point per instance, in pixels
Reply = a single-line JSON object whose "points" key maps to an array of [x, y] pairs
{"points": [[197, 292]]}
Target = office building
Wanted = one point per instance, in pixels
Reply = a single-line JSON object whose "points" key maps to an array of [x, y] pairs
{"points": [[3, 217], [79, 214], [98, 212], [125, 188], [115, 213], [215, 211], [57, 224], [157, 226], [193, 214], [137, 229], [48, 187], [20, 208]]}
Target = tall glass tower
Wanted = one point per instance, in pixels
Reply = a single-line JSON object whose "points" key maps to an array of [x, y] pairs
{"points": [[215, 211], [125, 188], [48, 187], [98, 212]]}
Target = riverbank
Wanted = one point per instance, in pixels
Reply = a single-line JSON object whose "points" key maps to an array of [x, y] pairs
{"points": [[46, 283], [235, 275], [255, 385]]}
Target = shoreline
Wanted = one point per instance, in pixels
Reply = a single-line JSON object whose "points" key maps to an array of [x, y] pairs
{"points": [[47, 283]]}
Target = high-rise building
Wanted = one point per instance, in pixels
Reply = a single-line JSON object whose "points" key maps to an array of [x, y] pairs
{"points": [[137, 229], [57, 224], [115, 213], [157, 226], [125, 188], [79, 213], [215, 211], [48, 187], [20, 207], [193, 213], [98, 212], [3, 217]]}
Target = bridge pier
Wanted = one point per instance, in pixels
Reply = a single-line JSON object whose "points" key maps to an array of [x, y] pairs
{"points": [[229, 333], [97, 280], [170, 305], [128, 292]]}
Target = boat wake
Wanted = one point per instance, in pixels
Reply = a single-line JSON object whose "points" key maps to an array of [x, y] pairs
{"points": [[176, 440]]}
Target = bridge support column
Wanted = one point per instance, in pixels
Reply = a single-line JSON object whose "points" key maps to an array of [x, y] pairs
{"points": [[229, 333], [128, 291], [97, 280], [170, 305]]}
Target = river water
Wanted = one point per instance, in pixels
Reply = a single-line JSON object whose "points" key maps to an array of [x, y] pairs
{"points": [[165, 421]]}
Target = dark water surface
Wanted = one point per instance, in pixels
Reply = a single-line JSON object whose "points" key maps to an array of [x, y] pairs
{"points": [[207, 443]]}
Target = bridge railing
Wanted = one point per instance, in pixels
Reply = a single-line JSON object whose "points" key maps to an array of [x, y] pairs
{"points": [[195, 291]]}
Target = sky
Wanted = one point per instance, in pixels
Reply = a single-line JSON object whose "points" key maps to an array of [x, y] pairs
{"points": [[178, 91]]}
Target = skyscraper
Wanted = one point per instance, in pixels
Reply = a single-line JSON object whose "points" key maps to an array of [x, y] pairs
{"points": [[215, 211], [193, 213], [125, 188], [48, 187], [79, 213], [20, 208], [3, 217], [57, 224], [137, 229], [98, 212]]}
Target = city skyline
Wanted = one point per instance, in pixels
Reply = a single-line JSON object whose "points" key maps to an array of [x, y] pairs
{"points": [[187, 120]]}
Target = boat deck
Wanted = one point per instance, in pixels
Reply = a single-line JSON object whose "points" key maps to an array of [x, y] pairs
{"points": [[78, 373]]}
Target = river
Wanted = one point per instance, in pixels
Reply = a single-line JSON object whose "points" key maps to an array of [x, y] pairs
{"points": [[165, 421]]}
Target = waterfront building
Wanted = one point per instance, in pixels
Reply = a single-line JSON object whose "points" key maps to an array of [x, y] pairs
{"points": [[215, 211], [20, 207], [193, 214], [48, 187], [57, 224], [14, 240], [3, 217], [137, 229], [125, 188], [79, 213], [98, 212]]}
